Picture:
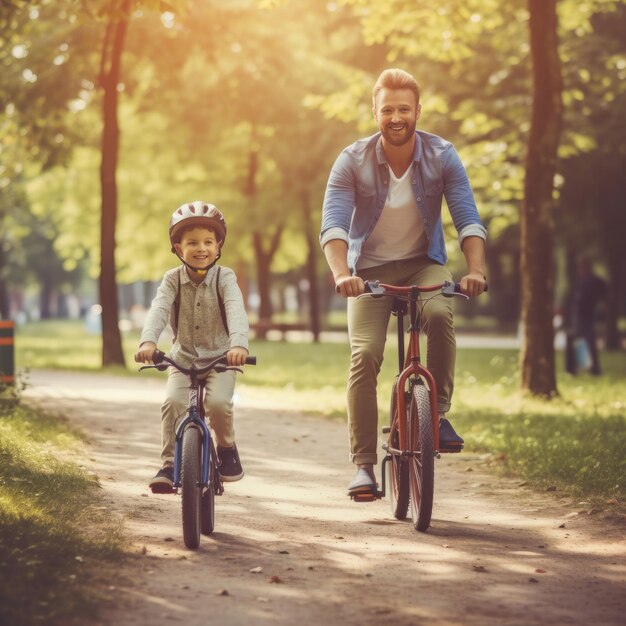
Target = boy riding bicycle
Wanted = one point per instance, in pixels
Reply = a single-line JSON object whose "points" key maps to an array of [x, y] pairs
{"points": [[204, 306]]}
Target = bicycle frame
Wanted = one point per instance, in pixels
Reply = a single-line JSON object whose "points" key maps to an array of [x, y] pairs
{"points": [[411, 366]]}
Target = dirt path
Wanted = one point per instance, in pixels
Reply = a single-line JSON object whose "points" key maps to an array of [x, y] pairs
{"points": [[495, 554]]}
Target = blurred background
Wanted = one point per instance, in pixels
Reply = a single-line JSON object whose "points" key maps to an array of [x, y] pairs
{"points": [[113, 113]]}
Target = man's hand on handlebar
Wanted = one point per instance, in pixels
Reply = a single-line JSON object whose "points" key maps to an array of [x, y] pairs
{"points": [[473, 284], [350, 286], [146, 352], [236, 356]]}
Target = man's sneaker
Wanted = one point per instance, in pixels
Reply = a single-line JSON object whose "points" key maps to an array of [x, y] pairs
{"points": [[230, 465], [449, 441], [163, 482], [363, 482]]}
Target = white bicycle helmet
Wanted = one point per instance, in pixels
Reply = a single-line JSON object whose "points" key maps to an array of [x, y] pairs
{"points": [[197, 214]]}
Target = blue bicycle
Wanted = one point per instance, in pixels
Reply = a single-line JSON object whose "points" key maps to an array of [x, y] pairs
{"points": [[196, 464]]}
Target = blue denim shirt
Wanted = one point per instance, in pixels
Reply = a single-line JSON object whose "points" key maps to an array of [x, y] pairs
{"points": [[358, 185]]}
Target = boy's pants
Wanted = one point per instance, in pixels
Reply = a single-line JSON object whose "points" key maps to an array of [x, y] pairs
{"points": [[218, 404], [368, 319]]}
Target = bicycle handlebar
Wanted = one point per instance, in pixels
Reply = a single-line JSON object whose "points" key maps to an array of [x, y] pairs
{"points": [[376, 288], [447, 288], [162, 361]]}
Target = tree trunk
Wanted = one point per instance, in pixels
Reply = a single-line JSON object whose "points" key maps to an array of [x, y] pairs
{"points": [[112, 353], [537, 227], [311, 267], [263, 257]]}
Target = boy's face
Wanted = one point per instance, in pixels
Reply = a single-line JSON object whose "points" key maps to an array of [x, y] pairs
{"points": [[199, 247]]}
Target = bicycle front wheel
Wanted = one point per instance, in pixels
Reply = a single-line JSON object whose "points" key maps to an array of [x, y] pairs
{"points": [[399, 469], [422, 459], [207, 507], [191, 486]]}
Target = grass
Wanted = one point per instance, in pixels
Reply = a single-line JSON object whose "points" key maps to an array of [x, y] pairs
{"points": [[574, 442], [55, 541]]}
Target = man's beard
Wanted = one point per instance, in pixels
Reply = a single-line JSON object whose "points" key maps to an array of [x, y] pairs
{"points": [[396, 138]]}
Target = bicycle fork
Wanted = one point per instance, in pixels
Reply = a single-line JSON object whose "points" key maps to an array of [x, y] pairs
{"points": [[192, 418]]}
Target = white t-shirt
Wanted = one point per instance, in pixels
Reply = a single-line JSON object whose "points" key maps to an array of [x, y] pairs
{"points": [[399, 233]]}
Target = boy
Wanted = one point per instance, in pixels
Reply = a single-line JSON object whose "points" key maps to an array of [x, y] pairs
{"points": [[205, 308]]}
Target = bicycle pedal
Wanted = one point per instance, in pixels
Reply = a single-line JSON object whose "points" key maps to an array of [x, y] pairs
{"points": [[451, 450], [365, 496]]}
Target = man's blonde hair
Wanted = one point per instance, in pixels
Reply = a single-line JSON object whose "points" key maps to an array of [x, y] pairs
{"points": [[394, 78]]}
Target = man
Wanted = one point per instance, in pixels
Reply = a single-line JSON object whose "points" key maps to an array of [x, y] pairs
{"points": [[382, 220]]}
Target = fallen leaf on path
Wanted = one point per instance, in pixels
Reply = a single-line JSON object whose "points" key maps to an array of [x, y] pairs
{"points": [[469, 469], [223, 592], [144, 550], [274, 579], [551, 488], [256, 570], [445, 545], [479, 568], [283, 552], [168, 539], [540, 571], [533, 580], [562, 526]]}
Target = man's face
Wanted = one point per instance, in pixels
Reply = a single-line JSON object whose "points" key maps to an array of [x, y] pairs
{"points": [[199, 247], [396, 112]]}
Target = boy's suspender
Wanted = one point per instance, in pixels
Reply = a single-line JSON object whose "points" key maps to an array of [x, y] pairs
{"points": [[220, 301]]}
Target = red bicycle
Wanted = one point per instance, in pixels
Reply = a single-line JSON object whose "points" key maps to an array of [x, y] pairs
{"points": [[413, 430]]}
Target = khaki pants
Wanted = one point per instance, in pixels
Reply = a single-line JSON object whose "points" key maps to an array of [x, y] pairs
{"points": [[368, 319], [218, 404]]}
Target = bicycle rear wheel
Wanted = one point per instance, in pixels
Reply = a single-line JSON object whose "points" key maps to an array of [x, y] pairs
{"points": [[399, 468], [422, 462], [190, 485], [207, 507]]}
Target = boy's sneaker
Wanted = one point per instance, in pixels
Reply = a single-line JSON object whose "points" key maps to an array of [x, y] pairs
{"points": [[230, 465], [163, 482], [449, 441]]}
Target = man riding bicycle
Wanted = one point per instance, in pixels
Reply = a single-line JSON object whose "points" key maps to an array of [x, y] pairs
{"points": [[382, 221]]}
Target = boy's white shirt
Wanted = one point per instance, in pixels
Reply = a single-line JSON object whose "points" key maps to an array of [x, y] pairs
{"points": [[200, 335]]}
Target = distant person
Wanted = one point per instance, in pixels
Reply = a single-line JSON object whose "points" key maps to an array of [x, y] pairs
{"points": [[382, 220], [589, 291], [205, 307]]}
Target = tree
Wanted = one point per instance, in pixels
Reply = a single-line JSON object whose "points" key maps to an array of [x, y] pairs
{"points": [[110, 70], [537, 224]]}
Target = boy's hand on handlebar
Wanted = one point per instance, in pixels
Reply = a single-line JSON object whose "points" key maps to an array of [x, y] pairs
{"points": [[473, 284], [146, 352], [350, 286], [236, 356]]}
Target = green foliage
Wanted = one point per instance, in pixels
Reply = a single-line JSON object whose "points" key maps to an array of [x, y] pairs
{"points": [[51, 568]]}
